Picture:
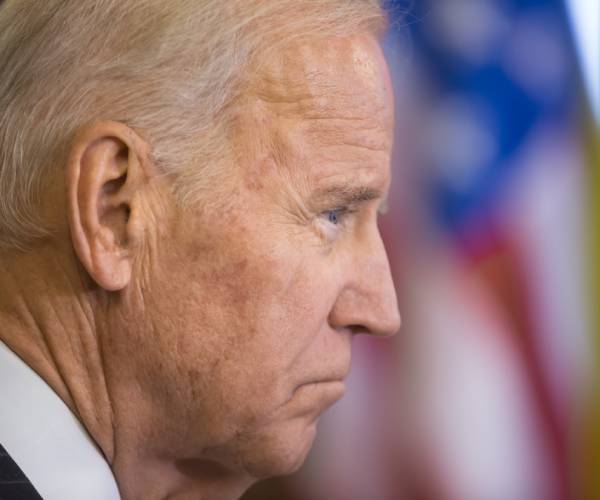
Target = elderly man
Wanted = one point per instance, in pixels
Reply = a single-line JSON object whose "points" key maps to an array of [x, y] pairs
{"points": [[188, 226]]}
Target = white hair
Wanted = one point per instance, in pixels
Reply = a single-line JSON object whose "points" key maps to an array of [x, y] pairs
{"points": [[166, 68]]}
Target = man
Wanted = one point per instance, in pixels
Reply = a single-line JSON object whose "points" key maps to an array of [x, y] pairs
{"points": [[188, 217]]}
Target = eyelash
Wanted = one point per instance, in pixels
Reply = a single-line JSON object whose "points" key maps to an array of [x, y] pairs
{"points": [[336, 216]]}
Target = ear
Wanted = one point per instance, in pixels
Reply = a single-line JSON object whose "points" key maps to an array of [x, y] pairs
{"points": [[105, 173]]}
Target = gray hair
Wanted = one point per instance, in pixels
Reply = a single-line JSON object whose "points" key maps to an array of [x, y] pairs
{"points": [[166, 68]]}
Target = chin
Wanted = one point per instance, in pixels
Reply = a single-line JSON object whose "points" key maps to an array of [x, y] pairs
{"points": [[279, 452]]}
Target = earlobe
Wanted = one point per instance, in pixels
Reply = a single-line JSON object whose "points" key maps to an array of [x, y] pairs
{"points": [[104, 175]]}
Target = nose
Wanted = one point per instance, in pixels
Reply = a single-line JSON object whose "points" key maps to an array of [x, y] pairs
{"points": [[367, 303]]}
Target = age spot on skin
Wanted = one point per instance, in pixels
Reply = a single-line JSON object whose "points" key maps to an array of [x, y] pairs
{"points": [[253, 183]]}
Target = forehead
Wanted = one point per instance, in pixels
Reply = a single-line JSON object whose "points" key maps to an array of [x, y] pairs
{"points": [[329, 105], [314, 76]]}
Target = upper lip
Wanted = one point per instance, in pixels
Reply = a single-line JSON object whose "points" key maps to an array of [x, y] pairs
{"points": [[322, 381], [335, 377]]}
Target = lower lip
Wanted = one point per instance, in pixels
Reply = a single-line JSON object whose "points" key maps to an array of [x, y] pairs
{"points": [[326, 393]]}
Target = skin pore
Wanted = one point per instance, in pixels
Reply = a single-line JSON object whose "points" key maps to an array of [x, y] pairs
{"points": [[199, 345]]}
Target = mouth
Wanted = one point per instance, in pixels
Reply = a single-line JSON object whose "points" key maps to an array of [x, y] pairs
{"points": [[339, 382], [326, 383], [335, 389], [315, 397]]}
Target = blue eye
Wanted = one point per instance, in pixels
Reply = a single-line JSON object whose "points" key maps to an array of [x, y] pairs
{"points": [[336, 216], [333, 216]]}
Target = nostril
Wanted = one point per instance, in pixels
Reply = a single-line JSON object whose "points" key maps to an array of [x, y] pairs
{"points": [[358, 329]]}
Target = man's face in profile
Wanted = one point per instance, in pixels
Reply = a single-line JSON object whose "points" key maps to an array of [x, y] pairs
{"points": [[245, 307]]}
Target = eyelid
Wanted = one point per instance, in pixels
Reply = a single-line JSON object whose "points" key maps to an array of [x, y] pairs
{"points": [[344, 209], [342, 212]]}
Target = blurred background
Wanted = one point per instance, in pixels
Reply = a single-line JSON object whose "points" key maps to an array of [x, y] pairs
{"points": [[491, 389]]}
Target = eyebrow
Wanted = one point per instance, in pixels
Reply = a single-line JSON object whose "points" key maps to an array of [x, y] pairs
{"points": [[346, 195]]}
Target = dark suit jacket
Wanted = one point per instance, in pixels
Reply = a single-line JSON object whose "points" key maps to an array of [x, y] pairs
{"points": [[14, 485]]}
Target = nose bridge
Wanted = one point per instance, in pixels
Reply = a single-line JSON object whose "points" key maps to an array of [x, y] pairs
{"points": [[376, 303]]}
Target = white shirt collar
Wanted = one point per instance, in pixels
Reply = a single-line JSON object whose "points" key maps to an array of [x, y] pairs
{"points": [[46, 440]]}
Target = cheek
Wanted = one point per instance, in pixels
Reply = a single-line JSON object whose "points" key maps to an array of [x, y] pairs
{"points": [[270, 327], [291, 321], [231, 327]]}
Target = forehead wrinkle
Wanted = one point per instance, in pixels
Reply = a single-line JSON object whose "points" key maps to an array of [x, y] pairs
{"points": [[329, 115], [366, 134], [302, 145], [330, 104], [327, 101], [317, 80], [331, 124]]}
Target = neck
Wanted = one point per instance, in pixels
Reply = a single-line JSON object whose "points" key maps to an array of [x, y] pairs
{"points": [[53, 319], [148, 462], [47, 320], [179, 480]]}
